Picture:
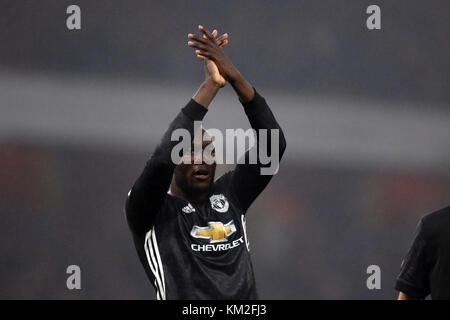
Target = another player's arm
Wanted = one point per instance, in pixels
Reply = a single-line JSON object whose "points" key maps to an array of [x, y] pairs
{"points": [[148, 192], [412, 282], [247, 181], [404, 296]]}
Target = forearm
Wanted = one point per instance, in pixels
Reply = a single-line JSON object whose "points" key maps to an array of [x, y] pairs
{"points": [[206, 93], [241, 86], [261, 117], [249, 180]]}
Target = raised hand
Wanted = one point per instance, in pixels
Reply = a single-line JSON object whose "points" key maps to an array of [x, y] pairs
{"points": [[222, 42], [210, 50], [211, 70]]}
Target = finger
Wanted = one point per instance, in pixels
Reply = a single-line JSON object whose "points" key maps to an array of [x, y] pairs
{"points": [[214, 34], [223, 37], [222, 41], [197, 38], [206, 32], [202, 53], [199, 55], [196, 45], [223, 44]]}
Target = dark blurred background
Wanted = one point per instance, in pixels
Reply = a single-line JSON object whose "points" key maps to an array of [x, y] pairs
{"points": [[366, 116]]}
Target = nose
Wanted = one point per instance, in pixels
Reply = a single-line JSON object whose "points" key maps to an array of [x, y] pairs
{"points": [[203, 158]]}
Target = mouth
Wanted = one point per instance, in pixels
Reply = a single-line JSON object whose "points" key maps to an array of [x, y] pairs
{"points": [[201, 174]]}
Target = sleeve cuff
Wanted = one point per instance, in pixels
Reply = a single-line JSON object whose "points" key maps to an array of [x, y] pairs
{"points": [[194, 110], [254, 106], [409, 289]]}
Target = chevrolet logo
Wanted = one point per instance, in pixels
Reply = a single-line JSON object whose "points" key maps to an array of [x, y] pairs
{"points": [[214, 232]]}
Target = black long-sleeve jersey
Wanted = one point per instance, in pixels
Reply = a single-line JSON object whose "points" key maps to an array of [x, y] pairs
{"points": [[198, 250], [426, 268]]}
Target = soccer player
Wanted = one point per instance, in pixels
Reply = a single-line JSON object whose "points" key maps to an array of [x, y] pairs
{"points": [[189, 230], [426, 268]]}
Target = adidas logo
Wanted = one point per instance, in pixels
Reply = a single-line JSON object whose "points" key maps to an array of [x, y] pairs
{"points": [[188, 209]]}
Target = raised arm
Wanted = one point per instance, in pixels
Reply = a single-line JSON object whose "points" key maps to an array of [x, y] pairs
{"points": [[149, 190], [247, 180]]}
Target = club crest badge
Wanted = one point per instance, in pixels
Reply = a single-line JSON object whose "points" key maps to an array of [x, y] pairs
{"points": [[219, 203]]}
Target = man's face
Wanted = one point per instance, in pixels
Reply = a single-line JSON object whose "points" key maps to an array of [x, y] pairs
{"points": [[191, 177]]}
